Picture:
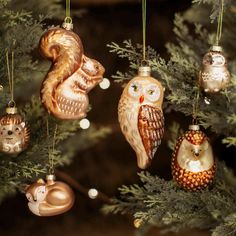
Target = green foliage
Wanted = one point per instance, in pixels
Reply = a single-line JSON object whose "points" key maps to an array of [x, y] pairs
{"points": [[216, 6], [163, 204], [175, 132], [20, 32]]}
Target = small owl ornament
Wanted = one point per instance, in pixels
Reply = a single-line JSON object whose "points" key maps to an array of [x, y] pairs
{"points": [[193, 164], [50, 198], [64, 92], [14, 132], [140, 115], [214, 75]]}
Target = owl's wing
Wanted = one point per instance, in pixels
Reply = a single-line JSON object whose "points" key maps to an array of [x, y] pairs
{"points": [[151, 128]]}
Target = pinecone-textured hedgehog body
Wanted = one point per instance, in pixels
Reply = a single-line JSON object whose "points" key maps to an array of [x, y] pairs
{"points": [[193, 165]]}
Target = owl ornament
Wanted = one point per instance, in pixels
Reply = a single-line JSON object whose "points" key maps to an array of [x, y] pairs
{"points": [[50, 198], [14, 132], [193, 164], [214, 75], [140, 115], [64, 91]]}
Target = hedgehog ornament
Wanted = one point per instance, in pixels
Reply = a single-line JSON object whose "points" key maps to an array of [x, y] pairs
{"points": [[14, 132], [193, 163]]}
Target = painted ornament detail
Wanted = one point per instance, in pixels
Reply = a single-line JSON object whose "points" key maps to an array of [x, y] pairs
{"points": [[214, 75], [140, 115], [71, 76], [14, 134], [193, 164], [50, 198]]}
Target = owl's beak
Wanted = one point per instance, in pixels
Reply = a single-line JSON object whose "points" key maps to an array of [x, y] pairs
{"points": [[141, 99]]}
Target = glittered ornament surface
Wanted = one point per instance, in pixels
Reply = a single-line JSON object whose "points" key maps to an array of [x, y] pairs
{"points": [[71, 76], [14, 134], [214, 75], [140, 115], [193, 164], [50, 198]]}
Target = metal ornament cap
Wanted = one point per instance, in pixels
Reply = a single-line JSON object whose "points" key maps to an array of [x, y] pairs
{"points": [[50, 179], [144, 71], [67, 25], [216, 48], [194, 127], [11, 110]]}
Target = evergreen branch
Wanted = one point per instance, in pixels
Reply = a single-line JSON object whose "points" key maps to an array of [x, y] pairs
{"points": [[164, 204], [175, 132], [216, 6], [229, 141]]}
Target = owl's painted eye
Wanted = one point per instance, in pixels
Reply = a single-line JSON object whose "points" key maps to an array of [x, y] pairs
{"points": [[135, 89], [152, 92], [218, 60], [17, 129]]}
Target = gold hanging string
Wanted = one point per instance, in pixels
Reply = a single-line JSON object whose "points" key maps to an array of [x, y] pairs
{"points": [[10, 73], [68, 18], [196, 107], [51, 150], [220, 22], [144, 22]]}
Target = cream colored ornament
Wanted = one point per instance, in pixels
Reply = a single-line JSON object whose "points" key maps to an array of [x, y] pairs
{"points": [[193, 164], [14, 132], [50, 198], [214, 75], [64, 91], [140, 115]]}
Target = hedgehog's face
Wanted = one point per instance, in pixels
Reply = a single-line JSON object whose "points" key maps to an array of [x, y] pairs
{"points": [[195, 157], [12, 130], [197, 151]]}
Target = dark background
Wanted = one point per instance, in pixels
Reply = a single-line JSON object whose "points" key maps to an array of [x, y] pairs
{"points": [[112, 162]]}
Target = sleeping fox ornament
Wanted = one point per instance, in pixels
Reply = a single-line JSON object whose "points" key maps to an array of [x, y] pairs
{"points": [[49, 198]]}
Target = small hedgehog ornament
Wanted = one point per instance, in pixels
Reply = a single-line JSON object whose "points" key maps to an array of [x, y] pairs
{"points": [[14, 132], [214, 75], [193, 164]]}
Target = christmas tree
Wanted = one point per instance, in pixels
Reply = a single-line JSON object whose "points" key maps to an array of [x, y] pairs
{"points": [[154, 202], [23, 23], [157, 202]]}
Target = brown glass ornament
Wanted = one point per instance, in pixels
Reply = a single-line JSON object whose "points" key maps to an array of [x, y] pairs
{"points": [[72, 75], [140, 115], [50, 198], [214, 75], [193, 164], [14, 132]]}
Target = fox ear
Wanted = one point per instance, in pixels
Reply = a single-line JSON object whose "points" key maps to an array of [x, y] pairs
{"points": [[40, 181], [27, 187]]}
